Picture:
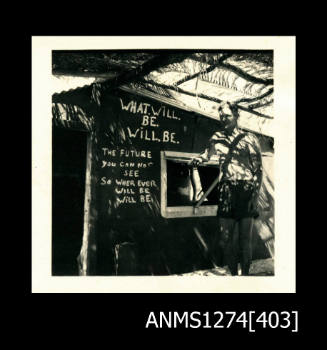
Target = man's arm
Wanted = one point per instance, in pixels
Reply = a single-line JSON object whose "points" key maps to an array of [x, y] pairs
{"points": [[208, 152], [200, 158]]}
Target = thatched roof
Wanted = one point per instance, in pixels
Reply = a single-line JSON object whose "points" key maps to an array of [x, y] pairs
{"points": [[192, 80]]}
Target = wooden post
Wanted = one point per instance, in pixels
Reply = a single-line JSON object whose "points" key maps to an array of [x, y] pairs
{"points": [[207, 192], [84, 253]]}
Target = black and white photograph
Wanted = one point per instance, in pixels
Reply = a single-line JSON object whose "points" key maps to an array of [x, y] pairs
{"points": [[165, 168]]}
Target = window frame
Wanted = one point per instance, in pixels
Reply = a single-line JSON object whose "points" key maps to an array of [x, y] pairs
{"points": [[183, 211]]}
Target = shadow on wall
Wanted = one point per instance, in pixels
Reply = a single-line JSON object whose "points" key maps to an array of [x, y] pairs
{"points": [[265, 225]]}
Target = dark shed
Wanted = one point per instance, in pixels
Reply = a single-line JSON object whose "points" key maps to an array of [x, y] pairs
{"points": [[138, 214]]}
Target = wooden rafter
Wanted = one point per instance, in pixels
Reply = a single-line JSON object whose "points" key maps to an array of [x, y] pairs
{"points": [[253, 99], [146, 68], [241, 73], [207, 70], [206, 97], [260, 104], [240, 55]]}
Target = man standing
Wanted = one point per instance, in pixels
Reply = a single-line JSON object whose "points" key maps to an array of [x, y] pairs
{"points": [[240, 163]]}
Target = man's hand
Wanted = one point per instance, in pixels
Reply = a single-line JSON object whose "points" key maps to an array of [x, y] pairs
{"points": [[196, 161]]}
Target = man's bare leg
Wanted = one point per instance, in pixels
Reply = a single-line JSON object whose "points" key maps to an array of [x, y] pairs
{"points": [[245, 232], [227, 242]]}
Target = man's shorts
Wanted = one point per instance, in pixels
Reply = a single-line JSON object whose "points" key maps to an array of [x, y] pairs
{"points": [[236, 199]]}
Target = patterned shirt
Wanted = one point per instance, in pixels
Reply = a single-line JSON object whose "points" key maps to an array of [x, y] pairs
{"points": [[245, 163]]}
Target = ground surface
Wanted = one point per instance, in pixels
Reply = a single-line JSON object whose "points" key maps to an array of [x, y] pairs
{"points": [[263, 267]]}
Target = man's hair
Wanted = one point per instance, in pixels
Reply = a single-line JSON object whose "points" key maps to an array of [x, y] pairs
{"points": [[233, 107]]}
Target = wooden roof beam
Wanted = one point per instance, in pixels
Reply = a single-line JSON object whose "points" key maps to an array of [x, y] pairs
{"points": [[239, 72], [206, 97], [207, 70], [252, 99], [146, 68]]}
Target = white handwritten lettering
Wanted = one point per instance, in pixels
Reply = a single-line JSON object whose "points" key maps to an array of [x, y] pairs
{"points": [[108, 152], [145, 134], [126, 165], [124, 190], [136, 154], [125, 108], [126, 199], [108, 164], [148, 183], [105, 181], [145, 198], [131, 173], [123, 182], [140, 109], [149, 121]]}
